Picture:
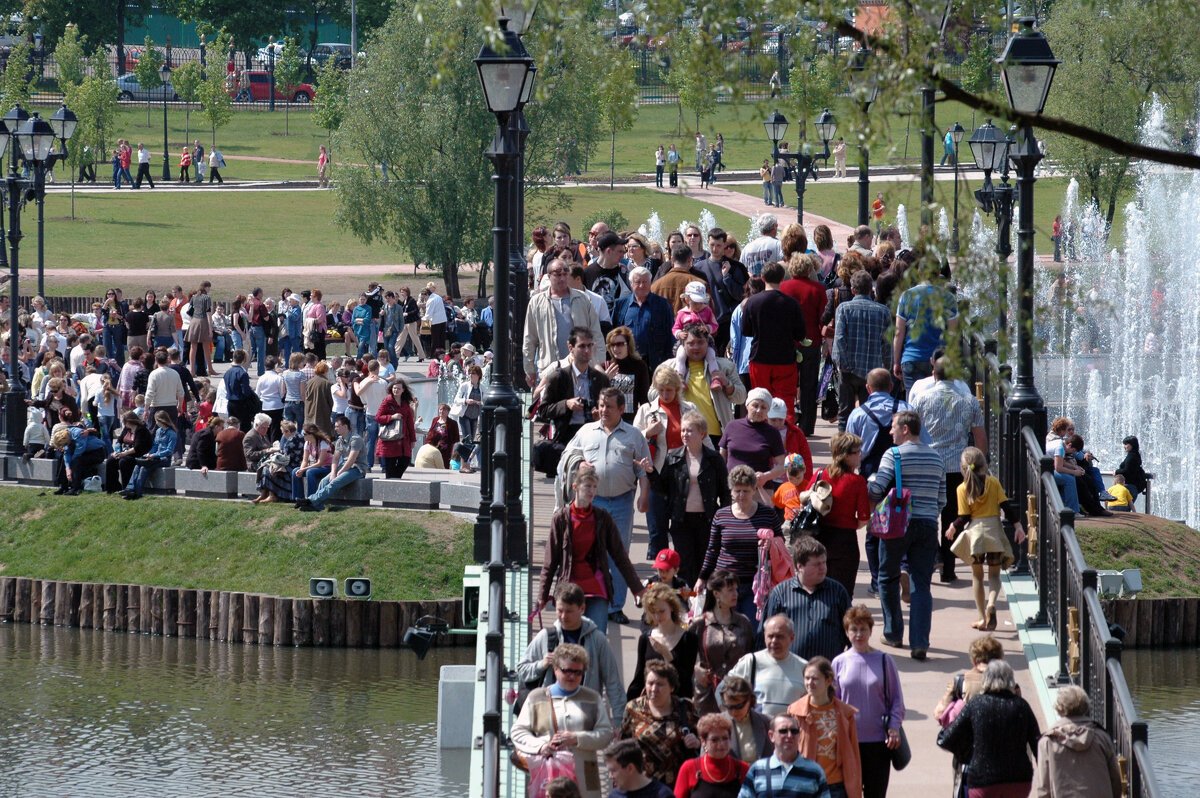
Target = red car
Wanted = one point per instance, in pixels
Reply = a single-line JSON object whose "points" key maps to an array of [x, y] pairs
{"points": [[259, 89]]}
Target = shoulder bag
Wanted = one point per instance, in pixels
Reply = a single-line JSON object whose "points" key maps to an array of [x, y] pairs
{"points": [[889, 520], [392, 431], [901, 755]]}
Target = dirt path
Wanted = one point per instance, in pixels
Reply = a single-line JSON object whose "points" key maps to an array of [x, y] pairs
{"points": [[753, 206]]}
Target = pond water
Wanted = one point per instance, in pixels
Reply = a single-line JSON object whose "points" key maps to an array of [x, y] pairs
{"points": [[1166, 689], [90, 713]]}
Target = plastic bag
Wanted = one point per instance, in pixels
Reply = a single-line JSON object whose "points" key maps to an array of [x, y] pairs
{"points": [[696, 607], [547, 768]]}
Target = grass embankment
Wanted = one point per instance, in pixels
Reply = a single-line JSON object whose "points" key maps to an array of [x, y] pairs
{"points": [[1168, 552], [225, 545], [636, 204]]}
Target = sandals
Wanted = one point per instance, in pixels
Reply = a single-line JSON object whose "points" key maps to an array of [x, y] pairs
{"points": [[991, 619], [980, 625]]}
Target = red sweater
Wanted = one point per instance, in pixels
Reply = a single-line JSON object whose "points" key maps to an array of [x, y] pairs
{"points": [[811, 296], [851, 508], [689, 773]]}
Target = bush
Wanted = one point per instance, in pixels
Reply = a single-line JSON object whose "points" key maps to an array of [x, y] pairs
{"points": [[610, 216]]}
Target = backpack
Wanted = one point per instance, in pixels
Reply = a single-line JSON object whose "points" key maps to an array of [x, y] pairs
{"points": [[524, 688], [883, 442]]}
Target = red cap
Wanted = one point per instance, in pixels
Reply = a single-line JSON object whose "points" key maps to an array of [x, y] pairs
{"points": [[667, 558]]}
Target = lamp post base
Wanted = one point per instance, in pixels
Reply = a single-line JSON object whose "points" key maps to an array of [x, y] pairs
{"points": [[15, 416]]}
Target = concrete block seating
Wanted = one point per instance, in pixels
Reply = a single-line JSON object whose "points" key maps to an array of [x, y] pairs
{"points": [[247, 483], [38, 471], [357, 492], [460, 496], [402, 493], [162, 480], [214, 484]]}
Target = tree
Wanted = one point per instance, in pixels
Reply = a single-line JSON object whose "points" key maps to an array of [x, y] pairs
{"points": [[16, 85], [70, 58], [427, 129], [288, 68], [617, 102], [147, 73], [813, 81], [247, 24], [978, 68], [97, 20], [1104, 94], [186, 80], [216, 102], [95, 104], [695, 76], [329, 102]]}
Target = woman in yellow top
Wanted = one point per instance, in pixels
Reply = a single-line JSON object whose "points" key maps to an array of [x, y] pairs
{"points": [[765, 174], [980, 536]]}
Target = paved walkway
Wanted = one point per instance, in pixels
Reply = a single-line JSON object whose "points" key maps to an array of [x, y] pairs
{"points": [[923, 682]]}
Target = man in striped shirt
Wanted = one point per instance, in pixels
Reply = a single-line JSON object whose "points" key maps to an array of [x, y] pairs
{"points": [[923, 475], [785, 774], [814, 603]]}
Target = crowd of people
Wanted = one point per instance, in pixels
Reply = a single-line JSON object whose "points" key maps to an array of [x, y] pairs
{"points": [[681, 380], [129, 388]]}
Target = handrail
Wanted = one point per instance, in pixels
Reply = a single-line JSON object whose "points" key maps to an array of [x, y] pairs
{"points": [[1069, 602]]}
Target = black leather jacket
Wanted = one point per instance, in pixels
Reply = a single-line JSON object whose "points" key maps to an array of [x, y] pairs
{"points": [[713, 479]]}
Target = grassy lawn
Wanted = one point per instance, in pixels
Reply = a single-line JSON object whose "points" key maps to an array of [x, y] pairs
{"points": [[635, 203], [1167, 552], [839, 201], [199, 230], [206, 544]]}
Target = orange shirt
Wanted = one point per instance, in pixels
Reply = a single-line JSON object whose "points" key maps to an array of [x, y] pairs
{"points": [[825, 725], [877, 209], [787, 498]]}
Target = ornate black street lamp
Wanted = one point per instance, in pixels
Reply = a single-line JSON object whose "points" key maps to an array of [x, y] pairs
{"points": [[867, 91], [64, 123], [507, 80], [956, 135], [164, 73], [29, 141], [776, 126]]}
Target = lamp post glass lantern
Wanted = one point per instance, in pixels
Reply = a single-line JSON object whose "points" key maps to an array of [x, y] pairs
{"points": [[776, 126], [165, 74], [519, 13], [28, 143]]}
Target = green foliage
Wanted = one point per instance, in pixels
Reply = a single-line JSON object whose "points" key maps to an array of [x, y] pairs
{"points": [[96, 20], [428, 132], [218, 105], [610, 216], [329, 102], [247, 24], [288, 67], [148, 65], [186, 80], [94, 102], [696, 75], [70, 59], [978, 70], [16, 85], [617, 103], [813, 83]]}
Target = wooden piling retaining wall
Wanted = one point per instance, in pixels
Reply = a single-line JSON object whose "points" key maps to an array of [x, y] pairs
{"points": [[1156, 623], [222, 615]]}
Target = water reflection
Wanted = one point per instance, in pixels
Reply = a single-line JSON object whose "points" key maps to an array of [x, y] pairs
{"points": [[93, 713], [1166, 689]]}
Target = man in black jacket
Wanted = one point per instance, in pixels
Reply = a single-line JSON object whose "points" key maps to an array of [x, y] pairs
{"points": [[727, 278], [573, 388]]}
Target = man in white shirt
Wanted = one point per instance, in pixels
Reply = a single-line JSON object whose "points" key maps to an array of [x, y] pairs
{"points": [[598, 302], [271, 391], [143, 156], [765, 248], [775, 674], [435, 314], [372, 389]]}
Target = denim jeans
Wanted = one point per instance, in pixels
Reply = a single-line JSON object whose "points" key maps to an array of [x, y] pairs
{"points": [[108, 425], [137, 480], [777, 188], [285, 349], [357, 419], [328, 486], [658, 521], [306, 483], [238, 341], [621, 510], [369, 341], [114, 343], [768, 194], [1070, 491], [258, 345], [369, 439], [389, 344], [915, 370], [596, 608], [920, 546], [294, 411]]}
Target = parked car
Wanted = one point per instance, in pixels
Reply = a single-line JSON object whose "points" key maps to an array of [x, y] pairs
{"points": [[260, 89], [128, 88], [338, 51]]}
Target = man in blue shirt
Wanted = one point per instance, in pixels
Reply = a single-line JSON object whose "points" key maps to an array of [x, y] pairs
{"points": [[486, 320], [649, 316], [785, 774], [923, 315], [858, 343]]}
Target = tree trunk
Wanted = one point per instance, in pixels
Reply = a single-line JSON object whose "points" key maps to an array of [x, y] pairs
{"points": [[483, 272], [120, 38], [187, 123], [612, 159], [450, 276], [679, 119], [147, 113]]}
